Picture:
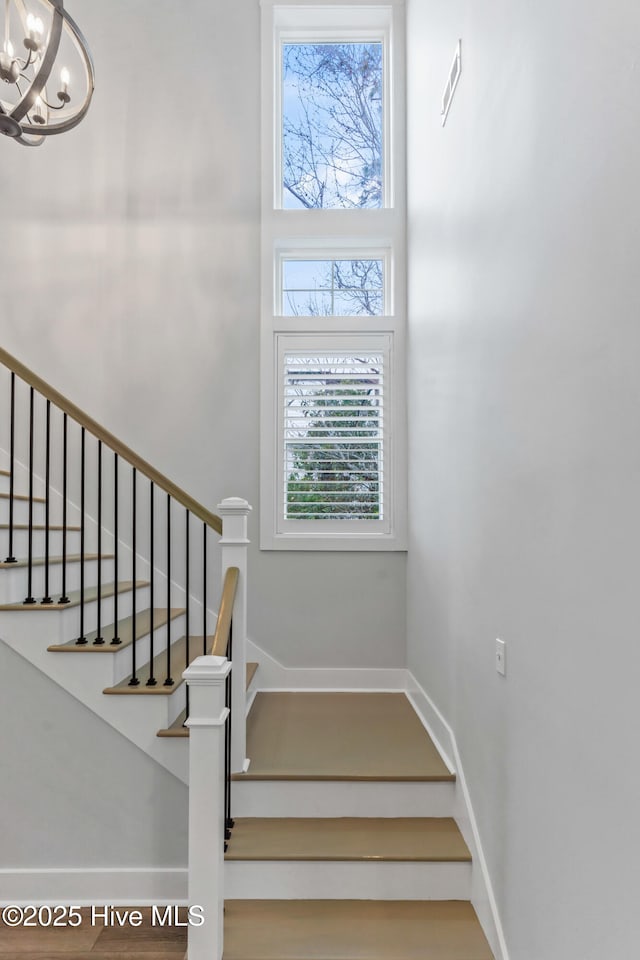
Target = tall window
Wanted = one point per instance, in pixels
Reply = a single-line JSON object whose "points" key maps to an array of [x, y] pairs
{"points": [[333, 417]]}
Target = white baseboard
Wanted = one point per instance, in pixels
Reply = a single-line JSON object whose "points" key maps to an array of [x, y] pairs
{"points": [[80, 887], [482, 895], [273, 675]]}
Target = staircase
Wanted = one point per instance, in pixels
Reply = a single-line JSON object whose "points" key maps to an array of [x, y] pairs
{"points": [[95, 669], [343, 842], [343, 845], [108, 562]]}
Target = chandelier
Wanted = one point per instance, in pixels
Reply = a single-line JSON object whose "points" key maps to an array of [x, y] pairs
{"points": [[46, 71]]}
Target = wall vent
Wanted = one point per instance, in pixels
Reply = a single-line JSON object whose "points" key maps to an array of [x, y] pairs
{"points": [[452, 82]]}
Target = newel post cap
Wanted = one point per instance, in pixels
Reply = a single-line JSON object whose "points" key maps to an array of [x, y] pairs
{"points": [[207, 671], [234, 506]]}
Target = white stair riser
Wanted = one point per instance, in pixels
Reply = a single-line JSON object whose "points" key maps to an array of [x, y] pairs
{"points": [[122, 659], [14, 580], [176, 705], [21, 512], [61, 625], [337, 880], [21, 543], [348, 798]]}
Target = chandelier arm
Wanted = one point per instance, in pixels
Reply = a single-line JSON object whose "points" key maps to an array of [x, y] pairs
{"points": [[41, 77], [24, 64], [52, 106]]}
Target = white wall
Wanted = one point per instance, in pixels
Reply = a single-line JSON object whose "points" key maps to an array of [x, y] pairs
{"points": [[525, 462], [130, 282], [75, 794]]}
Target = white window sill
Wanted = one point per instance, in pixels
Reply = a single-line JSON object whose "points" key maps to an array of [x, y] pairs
{"points": [[331, 542]]}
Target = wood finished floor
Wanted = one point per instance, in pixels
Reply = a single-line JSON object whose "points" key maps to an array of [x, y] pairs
{"points": [[87, 942], [339, 736]]}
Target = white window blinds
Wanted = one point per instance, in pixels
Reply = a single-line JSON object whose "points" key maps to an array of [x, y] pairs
{"points": [[333, 435]]}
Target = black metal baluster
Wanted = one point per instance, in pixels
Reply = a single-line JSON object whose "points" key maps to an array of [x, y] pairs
{"points": [[47, 480], [82, 639], [10, 557], [64, 598], [99, 640], [151, 682], [134, 682], [186, 591], [29, 599], [204, 589], [116, 641], [168, 679], [228, 821]]}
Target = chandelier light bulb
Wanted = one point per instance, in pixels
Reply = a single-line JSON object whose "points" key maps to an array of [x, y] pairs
{"points": [[35, 29], [9, 67], [63, 92], [38, 111]]}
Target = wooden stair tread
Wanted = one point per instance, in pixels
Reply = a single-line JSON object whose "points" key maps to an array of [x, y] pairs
{"points": [[22, 497], [40, 561], [353, 930], [124, 632], [90, 595], [177, 728], [339, 736], [178, 665], [41, 526], [347, 838]]}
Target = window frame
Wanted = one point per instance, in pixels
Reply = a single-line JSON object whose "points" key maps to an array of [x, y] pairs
{"points": [[333, 233]]}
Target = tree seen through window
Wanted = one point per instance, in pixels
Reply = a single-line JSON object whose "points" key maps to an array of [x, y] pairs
{"points": [[333, 430], [332, 125]]}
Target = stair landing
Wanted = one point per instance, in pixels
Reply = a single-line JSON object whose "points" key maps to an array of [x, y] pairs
{"points": [[339, 736]]}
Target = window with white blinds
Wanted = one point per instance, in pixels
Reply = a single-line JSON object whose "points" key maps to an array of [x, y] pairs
{"points": [[333, 436], [333, 419], [334, 439]]}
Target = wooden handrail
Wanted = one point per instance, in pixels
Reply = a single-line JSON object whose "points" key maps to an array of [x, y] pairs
{"points": [[225, 613], [47, 391]]}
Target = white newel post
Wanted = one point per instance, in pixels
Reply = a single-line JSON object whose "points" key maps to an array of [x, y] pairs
{"points": [[234, 512], [207, 714]]}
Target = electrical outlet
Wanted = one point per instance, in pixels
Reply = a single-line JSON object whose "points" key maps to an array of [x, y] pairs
{"points": [[501, 657]]}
